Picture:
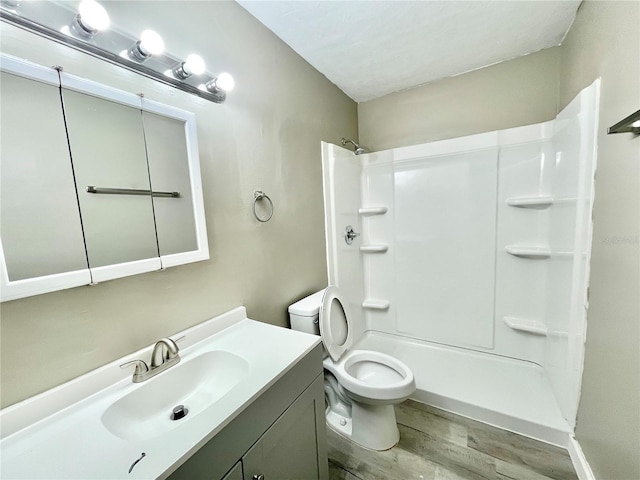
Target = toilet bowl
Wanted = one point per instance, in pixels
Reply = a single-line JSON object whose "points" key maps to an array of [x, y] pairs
{"points": [[372, 381], [373, 377]]}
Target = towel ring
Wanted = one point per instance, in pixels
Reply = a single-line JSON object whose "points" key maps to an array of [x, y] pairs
{"points": [[260, 195]]}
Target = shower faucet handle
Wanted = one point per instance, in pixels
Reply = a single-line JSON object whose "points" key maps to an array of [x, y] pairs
{"points": [[350, 234]]}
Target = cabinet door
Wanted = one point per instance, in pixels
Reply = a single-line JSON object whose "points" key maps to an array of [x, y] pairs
{"points": [[235, 473], [40, 222], [293, 447], [169, 170], [107, 146]]}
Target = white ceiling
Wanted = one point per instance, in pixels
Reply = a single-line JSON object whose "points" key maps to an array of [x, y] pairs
{"points": [[372, 48]]}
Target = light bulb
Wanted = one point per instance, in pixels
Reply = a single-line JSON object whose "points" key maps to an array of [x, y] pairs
{"points": [[91, 18], [636, 124], [93, 15], [225, 82], [151, 43], [194, 65]]}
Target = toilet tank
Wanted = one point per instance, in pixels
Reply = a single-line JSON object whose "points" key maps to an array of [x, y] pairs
{"points": [[304, 314]]}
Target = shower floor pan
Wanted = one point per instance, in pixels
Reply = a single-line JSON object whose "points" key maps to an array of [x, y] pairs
{"points": [[504, 392]]}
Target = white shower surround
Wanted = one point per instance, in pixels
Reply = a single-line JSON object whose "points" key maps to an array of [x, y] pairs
{"points": [[476, 273]]}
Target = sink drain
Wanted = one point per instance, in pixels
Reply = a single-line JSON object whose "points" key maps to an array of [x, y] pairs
{"points": [[179, 412]]}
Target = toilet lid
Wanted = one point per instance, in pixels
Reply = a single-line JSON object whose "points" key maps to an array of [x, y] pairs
{"points": [[335, 323]]}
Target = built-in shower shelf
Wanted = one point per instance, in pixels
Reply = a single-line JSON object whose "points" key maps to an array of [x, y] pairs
{"points": [[374, 248], [375, 304], [536, 251], [528, 251], [526, 325], [380, 210], [538, 202]]}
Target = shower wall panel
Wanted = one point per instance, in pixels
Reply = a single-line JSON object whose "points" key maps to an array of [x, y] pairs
{"points": [[342, 195], [443, 200], [445, 235], [570, 236], [521, 281], [379, 269]]}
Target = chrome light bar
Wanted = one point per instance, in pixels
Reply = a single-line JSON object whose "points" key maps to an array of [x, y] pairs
{"points": [[56, 21]]}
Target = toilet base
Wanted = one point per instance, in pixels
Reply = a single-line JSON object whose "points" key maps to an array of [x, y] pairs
{"points": [[339, 423], [370, 426]]}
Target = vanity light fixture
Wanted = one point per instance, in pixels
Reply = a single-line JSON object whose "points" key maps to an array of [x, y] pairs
{"points": [[150, 44], [144, 55], [91, 18], [223, 82], [193, 65]]}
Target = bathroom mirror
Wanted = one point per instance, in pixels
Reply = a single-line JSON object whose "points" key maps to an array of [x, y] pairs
{"points": [[36, 186], [107, 147], [169, 166], [174, 171], [97, 183]]}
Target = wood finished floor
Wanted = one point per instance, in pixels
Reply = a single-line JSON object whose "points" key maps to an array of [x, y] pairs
{"points": [[437, 445]]}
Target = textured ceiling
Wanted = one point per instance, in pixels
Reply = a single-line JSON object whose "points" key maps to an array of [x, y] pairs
{"points": [[372, 48]]}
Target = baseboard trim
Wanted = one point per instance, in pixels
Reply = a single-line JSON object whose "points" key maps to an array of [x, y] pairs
{"points": [[583, 470]]}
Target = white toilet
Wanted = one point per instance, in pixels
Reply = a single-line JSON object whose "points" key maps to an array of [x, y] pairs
{"points": [[361, 385]]}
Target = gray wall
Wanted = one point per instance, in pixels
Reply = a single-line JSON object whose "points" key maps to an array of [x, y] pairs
{"points": [[604, 42], [518, 92], [266, 136]]}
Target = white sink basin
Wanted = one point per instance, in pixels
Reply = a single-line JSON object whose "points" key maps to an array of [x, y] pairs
{"points": [[196, 383]]}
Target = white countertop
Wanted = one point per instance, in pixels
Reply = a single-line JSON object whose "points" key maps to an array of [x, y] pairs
{"points": [[73, 443]]}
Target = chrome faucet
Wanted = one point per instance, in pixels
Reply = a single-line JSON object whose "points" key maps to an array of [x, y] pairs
{"points": [[165, 354], [165, 351]]}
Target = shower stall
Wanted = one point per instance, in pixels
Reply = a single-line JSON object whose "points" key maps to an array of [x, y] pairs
{"points": [[472, 264]]}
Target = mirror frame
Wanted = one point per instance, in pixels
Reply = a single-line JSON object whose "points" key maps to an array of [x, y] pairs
{"points": [[11, 290]]}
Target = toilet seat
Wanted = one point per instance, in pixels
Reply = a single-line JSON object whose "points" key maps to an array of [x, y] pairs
{"points": [[372, 375], [369, 375], [335, 320]]}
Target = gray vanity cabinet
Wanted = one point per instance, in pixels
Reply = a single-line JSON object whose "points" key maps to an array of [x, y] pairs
{"points": [[280, 436], [235, 473]]}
